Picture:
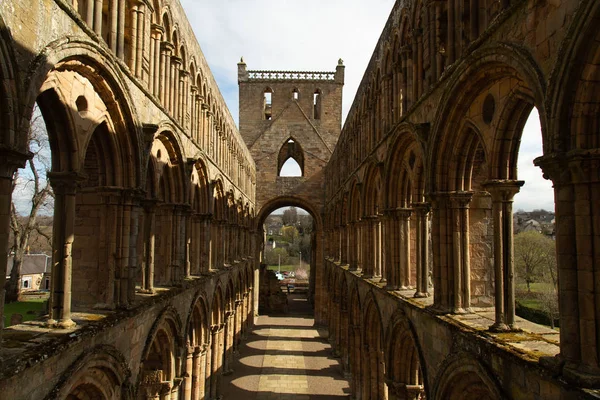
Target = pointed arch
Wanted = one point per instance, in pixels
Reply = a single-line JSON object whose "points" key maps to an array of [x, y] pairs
{"points": [[290, 149]]}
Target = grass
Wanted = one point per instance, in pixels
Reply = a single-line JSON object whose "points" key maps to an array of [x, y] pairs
{"points": [[28, 309], [536, 287]]}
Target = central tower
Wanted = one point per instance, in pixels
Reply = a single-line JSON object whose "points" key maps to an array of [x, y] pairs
{"points": [[293, 117]]}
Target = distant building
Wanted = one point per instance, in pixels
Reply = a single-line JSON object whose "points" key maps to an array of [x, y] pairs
{"points": [[35, 271]]}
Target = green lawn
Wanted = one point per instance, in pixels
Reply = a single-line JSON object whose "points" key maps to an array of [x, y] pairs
{"points": [[22, 307]]}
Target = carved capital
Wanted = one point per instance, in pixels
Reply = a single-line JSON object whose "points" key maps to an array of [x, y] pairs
{"points": [[11, 160], [503, 190], [65, 183]]}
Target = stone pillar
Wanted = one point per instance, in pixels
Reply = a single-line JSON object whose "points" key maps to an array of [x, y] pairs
{"points": [[391, 249], [403, 215], [422, 232], [89, 13], [10, 161], [188, 378], [133, 20], [141, 29], [352, 246], [228, 348], [64, 185], [155, 78], [451, 32], [176, 63], [367, 246], [97, 17], [149, 242], [461, 270], [503, 192], [121, 30], [114, 25], [216, 353], [165, 72]]}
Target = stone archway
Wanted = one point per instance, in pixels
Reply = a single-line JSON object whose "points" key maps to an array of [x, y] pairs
{"points": [[317, 285]]}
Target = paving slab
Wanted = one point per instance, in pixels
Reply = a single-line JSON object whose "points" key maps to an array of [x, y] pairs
{"points": [[286, 357]]}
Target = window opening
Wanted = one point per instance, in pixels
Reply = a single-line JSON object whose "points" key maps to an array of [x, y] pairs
{"points": [[267, 104], [290, 168], [317, 104], [295, 94]]}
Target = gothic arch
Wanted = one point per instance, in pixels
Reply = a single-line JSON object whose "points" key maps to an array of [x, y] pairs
{"points": [[160, 363], [406, 372], [96, 64], [9, 97], [462, 376], [291, 148], [197, 321], [404, 175], [573, 94], [373, 360], [99, 373], [474, 76]]}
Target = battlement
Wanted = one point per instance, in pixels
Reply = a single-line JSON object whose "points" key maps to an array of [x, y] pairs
{"points": [[336, 76], [291, 76]]}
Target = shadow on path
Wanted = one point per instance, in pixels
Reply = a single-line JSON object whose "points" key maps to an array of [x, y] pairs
{"points": [[286, 357]]}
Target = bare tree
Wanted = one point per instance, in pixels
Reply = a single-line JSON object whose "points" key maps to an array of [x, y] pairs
{"points": [[32, 195]]}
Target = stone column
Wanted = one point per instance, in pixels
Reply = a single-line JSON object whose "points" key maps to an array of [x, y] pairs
{"points": [[367, 247], [113, 25], [121, 30], [149, 242], [165, 72], [214, 363], [64, 185], [403, 215], [155, 78], [228, 336], [460, 254], [422, 232], [188, 378], [451, 31], [352, 242], [503, 192], [10, 161], [176, 63], [89, 13], [141, 29], [391, 249], [133, 20], [97, 17]]}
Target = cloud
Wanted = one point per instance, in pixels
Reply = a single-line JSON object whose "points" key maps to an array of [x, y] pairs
{"points": [[287, 35]]}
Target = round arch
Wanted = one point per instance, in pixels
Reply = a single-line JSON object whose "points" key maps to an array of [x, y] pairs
{"points": [[462, 376], [100, 373], [284, 201], [96, 64]]}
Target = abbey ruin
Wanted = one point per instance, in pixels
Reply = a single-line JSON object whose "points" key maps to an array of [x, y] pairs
{"points": [[160, 200]]}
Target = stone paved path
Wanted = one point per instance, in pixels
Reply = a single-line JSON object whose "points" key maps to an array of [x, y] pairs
{"points": [[286, 357]]}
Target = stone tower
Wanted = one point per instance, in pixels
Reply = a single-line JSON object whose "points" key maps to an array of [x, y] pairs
{"points": [[290, 114]]}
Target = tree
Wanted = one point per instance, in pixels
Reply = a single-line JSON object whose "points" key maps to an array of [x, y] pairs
{"points": [[274, 256], [290, 216], [535, 258], [32, 195], [290, 234]]}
